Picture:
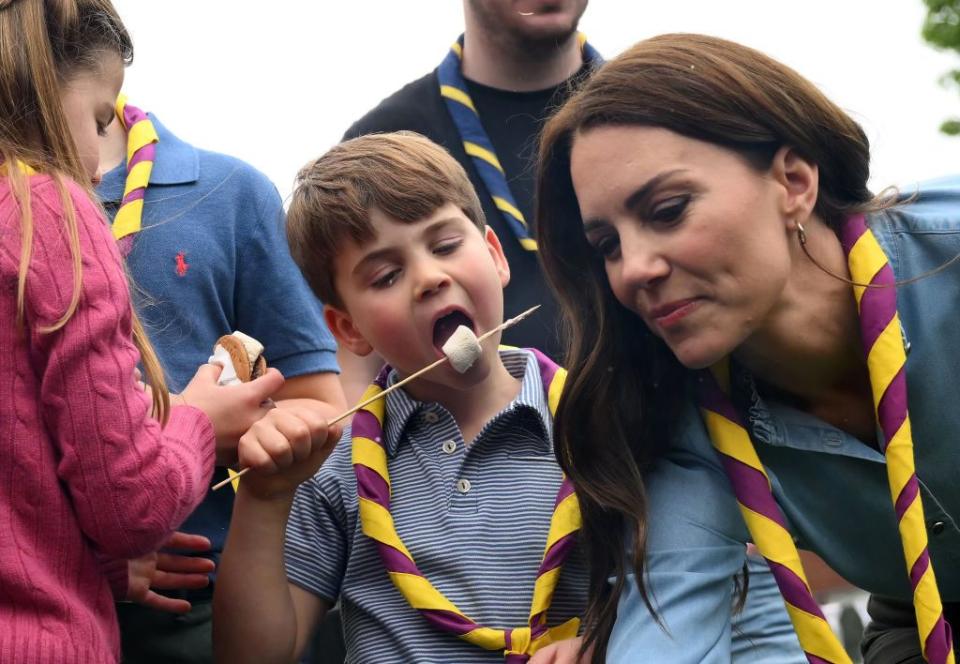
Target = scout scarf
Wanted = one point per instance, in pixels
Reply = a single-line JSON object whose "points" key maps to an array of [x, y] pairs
{"points": [[141, 151], [453, 89], [373, 488], [886, 359]]}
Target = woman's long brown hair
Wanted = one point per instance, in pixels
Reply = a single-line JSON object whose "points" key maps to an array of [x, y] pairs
{"points": [[625, 387], [42, 44]]}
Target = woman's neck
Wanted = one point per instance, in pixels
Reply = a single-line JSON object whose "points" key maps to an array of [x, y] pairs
{"points": [[810, 346]]}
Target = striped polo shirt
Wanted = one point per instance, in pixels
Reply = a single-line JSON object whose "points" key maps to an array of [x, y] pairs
{"points": [[475, 518]]}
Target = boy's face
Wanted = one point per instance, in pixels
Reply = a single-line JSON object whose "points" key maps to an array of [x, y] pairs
{"points": [[405, 292]]}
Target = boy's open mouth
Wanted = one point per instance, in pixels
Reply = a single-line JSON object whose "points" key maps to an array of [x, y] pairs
{"points": [[446, 325]]}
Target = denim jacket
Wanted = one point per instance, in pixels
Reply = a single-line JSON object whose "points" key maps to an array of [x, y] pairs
{"points": [[831, 487]]}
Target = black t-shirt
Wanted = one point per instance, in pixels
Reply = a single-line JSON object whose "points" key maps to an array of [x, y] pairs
{"points": [[513, 121]]}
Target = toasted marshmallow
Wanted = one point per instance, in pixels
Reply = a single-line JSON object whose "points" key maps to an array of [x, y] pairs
{"points": [[462, 349], [253, 347]]}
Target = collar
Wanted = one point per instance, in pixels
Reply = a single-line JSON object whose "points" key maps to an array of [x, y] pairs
{"points": [[779, 425], [176, 162], [401, 408]]}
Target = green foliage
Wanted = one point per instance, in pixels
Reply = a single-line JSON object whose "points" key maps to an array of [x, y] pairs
{"points": [[941, 28], [942, 25]]}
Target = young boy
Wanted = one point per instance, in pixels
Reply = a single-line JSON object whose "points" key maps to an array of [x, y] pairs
{"points": [[390, 235]]}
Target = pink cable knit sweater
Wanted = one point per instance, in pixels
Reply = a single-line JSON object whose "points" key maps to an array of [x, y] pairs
{"points": [[85, 473]]}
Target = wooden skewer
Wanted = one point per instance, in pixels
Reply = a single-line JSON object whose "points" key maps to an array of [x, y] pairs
{"points": [[396, 386]]}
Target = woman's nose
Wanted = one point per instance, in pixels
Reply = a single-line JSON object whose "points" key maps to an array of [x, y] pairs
{"points": [[642, 262]]}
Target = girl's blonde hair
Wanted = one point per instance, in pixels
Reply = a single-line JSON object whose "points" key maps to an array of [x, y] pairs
{"points": [[42, 44]]}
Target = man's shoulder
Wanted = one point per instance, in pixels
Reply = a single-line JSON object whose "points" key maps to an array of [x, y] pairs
{"points": [[417, 106], [238, 175]]}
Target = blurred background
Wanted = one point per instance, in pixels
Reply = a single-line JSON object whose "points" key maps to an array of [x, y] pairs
{"points": [[278, 83]]}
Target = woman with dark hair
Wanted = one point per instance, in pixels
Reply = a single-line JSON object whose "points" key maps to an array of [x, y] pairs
{"points": [[740, 311]]}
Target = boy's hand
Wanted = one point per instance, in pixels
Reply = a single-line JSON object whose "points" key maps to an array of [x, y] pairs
{"points": [[232, 409], [562, 652], [285, 448]]}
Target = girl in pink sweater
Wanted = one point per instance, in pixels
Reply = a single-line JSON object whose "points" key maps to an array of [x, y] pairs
{"points": [[91, 472]]}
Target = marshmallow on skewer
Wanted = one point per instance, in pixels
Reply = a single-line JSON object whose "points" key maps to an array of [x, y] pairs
{"points": [[462, 349]]}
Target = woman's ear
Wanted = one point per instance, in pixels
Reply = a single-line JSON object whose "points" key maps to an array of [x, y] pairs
{"points": [[800, 180], [346, 333]]}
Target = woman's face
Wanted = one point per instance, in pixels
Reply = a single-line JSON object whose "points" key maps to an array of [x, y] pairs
{"points": [[694, 239]]}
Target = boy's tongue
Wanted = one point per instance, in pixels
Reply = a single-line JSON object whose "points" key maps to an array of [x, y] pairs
{"points": [[444, 327]]}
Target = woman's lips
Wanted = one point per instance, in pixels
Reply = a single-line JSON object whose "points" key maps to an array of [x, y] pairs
{"points": [[670, 314]]}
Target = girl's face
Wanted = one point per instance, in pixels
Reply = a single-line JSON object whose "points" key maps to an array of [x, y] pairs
{"points": [[695, 240], [88, 97]]}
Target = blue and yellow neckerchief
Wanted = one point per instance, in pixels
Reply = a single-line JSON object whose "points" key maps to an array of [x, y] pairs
{"points": [[453, 89]]}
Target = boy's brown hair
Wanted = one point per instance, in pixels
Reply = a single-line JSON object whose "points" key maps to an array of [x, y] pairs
{"points": [[403, 174]]}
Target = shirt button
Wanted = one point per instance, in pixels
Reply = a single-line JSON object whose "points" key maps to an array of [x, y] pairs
{"points": [[431, 417], [449, 446], [937, 527], [463, 486]]}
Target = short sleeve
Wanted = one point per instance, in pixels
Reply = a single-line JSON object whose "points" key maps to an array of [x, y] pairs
{"points": [[279, 308], [321, 525]]}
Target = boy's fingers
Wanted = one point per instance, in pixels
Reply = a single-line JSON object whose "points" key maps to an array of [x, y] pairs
{"points": [[252, 453]]}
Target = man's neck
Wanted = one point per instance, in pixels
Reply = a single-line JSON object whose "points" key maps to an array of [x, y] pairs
{"points": [[488, 61]]}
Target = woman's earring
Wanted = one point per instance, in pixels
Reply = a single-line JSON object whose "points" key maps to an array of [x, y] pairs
{"points": [[801, 234]]}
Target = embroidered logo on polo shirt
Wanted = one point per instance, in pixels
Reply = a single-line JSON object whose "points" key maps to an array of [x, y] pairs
{"points": [[182, 265]]}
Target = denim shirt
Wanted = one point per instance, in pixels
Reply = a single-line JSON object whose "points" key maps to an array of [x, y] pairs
{"points": [[831, 486]]}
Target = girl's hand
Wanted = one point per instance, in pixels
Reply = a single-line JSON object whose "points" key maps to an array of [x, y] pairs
{"points": [[562, 652], [285, 448], [169, 571], [232, 409]]}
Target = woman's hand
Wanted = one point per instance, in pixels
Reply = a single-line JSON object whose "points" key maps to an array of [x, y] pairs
{"points": [[285, 448], [232, 409], [169, 571]]}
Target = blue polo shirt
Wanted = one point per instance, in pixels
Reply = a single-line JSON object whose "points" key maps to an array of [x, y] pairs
{"points": [[831, 487], [212, 258]]}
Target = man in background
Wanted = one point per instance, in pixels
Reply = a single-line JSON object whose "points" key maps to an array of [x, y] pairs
{"points": [[486, 104], [203, 237]]}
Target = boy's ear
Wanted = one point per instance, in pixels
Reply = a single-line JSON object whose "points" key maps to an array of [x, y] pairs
{"points": [[800, 180], [347, 335], [499, 258]]}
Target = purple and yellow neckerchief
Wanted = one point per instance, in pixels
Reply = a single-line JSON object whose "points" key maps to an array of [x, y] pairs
{"points": [[373, 489], [21, 167], [886, 362], [142, 142], [453, 89]]}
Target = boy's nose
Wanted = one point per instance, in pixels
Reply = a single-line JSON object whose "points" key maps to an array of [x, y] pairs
{"points": [[430, 281]]}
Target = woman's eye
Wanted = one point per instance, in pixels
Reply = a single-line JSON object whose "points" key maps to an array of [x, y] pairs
{"points": [[447, 247], [387, 279], [670, 210], [607, 246]]}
